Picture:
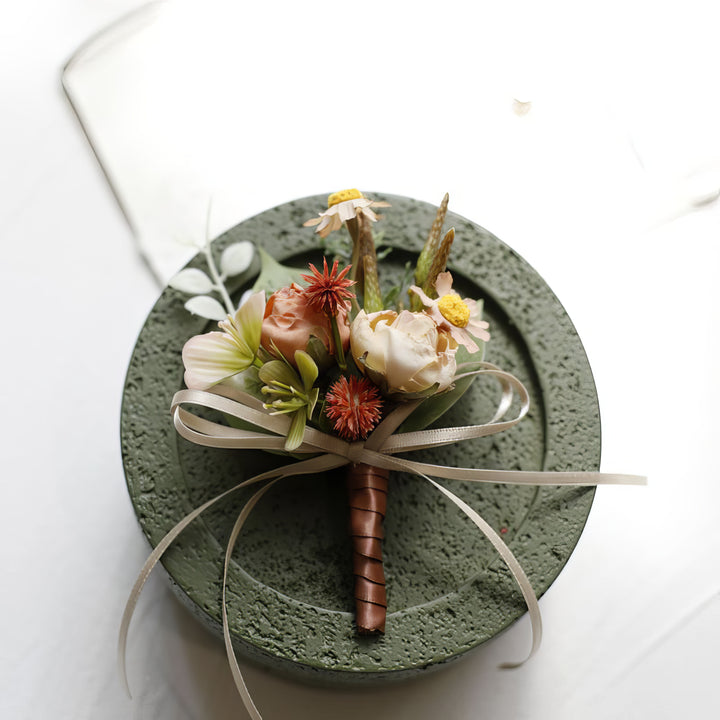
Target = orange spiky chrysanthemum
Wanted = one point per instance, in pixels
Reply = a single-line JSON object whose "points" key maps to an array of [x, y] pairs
{"points": [[328, 290], [355, 405]]}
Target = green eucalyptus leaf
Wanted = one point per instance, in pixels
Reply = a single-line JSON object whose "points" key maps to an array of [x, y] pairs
{"points": [[273, 275]]}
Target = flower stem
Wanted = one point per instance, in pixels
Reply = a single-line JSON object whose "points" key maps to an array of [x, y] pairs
{"points": [[356, 271], [339, 352], [370, 284], [219, 285]]}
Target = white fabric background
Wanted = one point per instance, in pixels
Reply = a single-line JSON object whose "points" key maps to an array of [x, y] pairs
{"points": [[594, 187]]}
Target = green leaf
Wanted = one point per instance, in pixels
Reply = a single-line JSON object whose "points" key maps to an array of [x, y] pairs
{"points": [[297, 431], [308, 369], [273, 275], [318, 352], [312, 401], [391, 296], [278, 371], [436, 406]]}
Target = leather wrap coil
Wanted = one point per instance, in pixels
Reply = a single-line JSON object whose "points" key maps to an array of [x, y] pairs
{"points": [[367, 494]]}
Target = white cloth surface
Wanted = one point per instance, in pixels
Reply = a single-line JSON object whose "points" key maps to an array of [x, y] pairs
{"points": [[594, 186]]}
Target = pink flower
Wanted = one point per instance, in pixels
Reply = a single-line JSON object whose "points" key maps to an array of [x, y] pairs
{"points": [[290, 322], [452, 313]]}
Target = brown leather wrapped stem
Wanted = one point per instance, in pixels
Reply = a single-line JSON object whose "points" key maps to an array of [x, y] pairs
{"points": [[367, 495]]}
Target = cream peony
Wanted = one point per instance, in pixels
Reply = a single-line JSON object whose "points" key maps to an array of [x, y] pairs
{"points": [[403, 353]]}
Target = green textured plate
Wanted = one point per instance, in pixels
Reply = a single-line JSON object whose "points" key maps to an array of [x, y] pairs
{"points": [[290, 584]]}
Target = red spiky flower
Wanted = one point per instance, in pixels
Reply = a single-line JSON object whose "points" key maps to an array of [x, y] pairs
{"points": [[328, 290], [355, 405]]}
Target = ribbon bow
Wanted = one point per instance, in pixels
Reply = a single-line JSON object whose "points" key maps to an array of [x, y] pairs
{"points": [[329, 452]]}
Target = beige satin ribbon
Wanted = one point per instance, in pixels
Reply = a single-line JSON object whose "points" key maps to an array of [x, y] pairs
{"points": [[377, 450]]}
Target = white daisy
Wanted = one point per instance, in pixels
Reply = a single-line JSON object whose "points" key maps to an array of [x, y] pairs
{"points": [[455, 314], [344, 206]]}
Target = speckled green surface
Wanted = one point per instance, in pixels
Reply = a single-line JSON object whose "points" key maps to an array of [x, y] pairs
{"points": [[290, 585]]}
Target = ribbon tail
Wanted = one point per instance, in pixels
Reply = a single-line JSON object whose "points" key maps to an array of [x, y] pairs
{"points": [[303, 467], [513, 565], [522, 477], [147, 568], [229, 649]]}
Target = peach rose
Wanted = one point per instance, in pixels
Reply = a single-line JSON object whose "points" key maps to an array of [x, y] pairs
{"points": [[289, 323]]}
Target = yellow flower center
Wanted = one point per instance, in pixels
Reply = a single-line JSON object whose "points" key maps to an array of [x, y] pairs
{"points": [[454, 310], [343, 195]]}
